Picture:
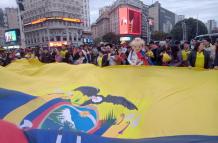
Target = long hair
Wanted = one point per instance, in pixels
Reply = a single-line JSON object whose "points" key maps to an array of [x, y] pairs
{"points": [[217, 49], [137, 42], [175, 50], [197, 46]]}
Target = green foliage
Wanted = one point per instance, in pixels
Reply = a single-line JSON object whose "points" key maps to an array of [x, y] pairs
{"points": [[111, 38], [97, 41], [191, 24], [159, 36]]}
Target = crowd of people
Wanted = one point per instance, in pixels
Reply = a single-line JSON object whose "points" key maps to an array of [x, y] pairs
{"points": [[202, 54]]}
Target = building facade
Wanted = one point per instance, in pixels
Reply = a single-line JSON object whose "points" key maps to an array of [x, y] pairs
{"points": [[109, 19], [2, 29], [94, 31], [180, 18], [2, 36], [164, 20], [8, 20], [11, 18], [134, 4], [211, 25], [54, 22], [102, 24], [145, 22], [2, 23], [86, 14]]}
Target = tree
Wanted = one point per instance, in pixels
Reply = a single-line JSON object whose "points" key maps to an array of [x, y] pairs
{"points": [[159, 36], [97, 41], [111, 38], [191, 29]]}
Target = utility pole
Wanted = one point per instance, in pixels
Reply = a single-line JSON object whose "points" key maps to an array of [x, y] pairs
{"points": [[184, 29], [148, 30]]}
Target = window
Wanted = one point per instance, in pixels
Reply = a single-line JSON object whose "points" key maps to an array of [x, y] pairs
{"points": [[52, 39], [58, 38]]}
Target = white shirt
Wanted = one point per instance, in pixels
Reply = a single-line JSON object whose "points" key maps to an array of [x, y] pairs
{"points": [[133, 59]]}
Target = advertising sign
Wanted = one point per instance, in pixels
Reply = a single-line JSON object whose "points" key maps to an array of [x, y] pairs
{"points": [[123, 20], [12, 37], [57, 44], [129, 21]]}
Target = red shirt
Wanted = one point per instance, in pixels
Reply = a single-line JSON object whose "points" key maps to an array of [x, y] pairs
{"points": [[142, 58]]}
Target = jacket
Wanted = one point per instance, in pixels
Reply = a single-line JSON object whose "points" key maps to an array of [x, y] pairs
{"points": [[192, 59], [216, 59], [137, 59]]}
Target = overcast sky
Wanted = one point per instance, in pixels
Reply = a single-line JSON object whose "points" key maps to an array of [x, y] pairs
{"points": [[204, 9]]}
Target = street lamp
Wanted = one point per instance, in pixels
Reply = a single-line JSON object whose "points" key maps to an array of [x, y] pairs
{"points": [[197, 27], [184, 28], [150, 22]]}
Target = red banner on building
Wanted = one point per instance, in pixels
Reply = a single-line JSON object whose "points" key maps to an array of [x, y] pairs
{"points": [[129, 21]]}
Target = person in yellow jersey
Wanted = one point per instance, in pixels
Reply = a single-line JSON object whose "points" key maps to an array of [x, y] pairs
{"points": [[185, 54], [149, 52], [103, 59], [166, 55], [29, 55], [199, 57], [63, 52], [100, 59]]}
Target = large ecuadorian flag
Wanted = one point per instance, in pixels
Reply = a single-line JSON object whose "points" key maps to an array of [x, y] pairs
{"points": [[122, 104]]}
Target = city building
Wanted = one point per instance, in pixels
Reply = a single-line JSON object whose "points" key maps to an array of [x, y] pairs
{"points": [[8, 20], [86, 14], [211, 25], [94, 31], [164, 20], [122, 8], [2, 36], [180, 18], [11, 18], [104, 9], [54, 22], [2, 29], [126, 18], [87, 35], [102, 25], [2, 24], [146, 27]]}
